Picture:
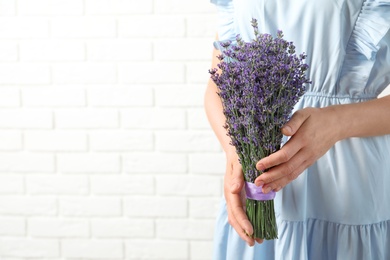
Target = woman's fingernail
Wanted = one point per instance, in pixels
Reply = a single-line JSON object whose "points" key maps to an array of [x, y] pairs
{"points": [[278, 189], [259, 241], [260, 167], [288, 129], [266, 189], [259, 183]]}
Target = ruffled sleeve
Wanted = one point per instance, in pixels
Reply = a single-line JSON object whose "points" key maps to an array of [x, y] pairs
{"points": [[225, 29], [371, 26], [363, 70]]}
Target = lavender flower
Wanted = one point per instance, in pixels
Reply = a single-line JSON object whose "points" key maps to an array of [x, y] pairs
{"points": [[262, 80]]}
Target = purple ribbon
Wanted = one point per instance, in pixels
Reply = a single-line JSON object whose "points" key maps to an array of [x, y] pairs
{"points": [[254, 192]]}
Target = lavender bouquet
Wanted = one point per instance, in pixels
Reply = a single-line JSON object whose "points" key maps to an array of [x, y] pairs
{"points": [[260, 83]]}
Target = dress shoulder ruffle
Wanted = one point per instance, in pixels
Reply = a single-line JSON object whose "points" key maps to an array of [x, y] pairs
{"points": [[371, 26]]}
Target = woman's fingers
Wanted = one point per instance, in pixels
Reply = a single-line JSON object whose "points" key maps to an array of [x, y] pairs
{"points": [[283, 178], [297, 119], [281, 156], [239, 220], [291, 147], [310, 141], [259, 240], [273, 176], [234, 183]]}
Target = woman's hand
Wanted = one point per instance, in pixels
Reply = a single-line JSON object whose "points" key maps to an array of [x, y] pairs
{"points": [[313, 132], [235, 199]]}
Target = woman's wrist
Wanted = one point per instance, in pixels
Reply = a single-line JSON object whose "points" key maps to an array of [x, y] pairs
{"points": [[338, 121], [231, 153], [369, 118]]}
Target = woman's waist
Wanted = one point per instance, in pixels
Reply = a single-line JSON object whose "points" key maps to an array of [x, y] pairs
{"points": [[320, 99]]}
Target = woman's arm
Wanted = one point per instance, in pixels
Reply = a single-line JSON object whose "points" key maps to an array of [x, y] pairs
{"points": [[214, 111], [314, 131], [233, 180]]}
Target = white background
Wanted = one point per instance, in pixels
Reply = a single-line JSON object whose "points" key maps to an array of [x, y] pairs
{"points": [[105, 151]]}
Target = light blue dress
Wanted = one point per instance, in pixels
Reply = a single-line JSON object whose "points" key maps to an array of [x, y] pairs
{"points": [[339, 208]]}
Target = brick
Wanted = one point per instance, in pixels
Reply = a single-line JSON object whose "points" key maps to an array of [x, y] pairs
{"points": [[153, 118], [95, 249], [12, 226], [9, 97], [52, 50], [207, 163], [184, 96], [202, 25], [161, 250], [31, 248], [183, 6], [20, 205], [57, 228], [120, 96], [50, 7], [26, 162], [11, 184], [122, 141], [178, 50], [151, 72], [83, 27], [122, 185], [205, 207], [122, 50], [197, 73], [155, 207], [197, 119], [126, 228], [88, 163], [21, 118], [186, 141], [8, 50], [152, 26], [201, 250], [7, 7], [184, 229], [55, 141], [23, 27], [84, 73], [86, 118], [10, 140], [53, 97], [188, 185], [90, 207], [155, 163], [57, 184], [24, 74], [116, 7]]}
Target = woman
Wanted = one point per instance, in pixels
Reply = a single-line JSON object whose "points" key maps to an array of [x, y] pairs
{"points": [[333, 175]]}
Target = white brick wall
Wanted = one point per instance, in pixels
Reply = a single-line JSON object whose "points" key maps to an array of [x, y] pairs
{"points": [[105, 150]]}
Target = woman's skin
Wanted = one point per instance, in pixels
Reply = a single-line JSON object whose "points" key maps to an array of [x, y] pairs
{"points": [[313, 132]]}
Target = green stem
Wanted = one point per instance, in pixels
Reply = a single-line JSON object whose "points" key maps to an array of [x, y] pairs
{"points": [[262, 216]]}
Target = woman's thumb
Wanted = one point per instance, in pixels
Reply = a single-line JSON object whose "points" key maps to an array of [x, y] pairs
{"points": [[298, 118]]}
